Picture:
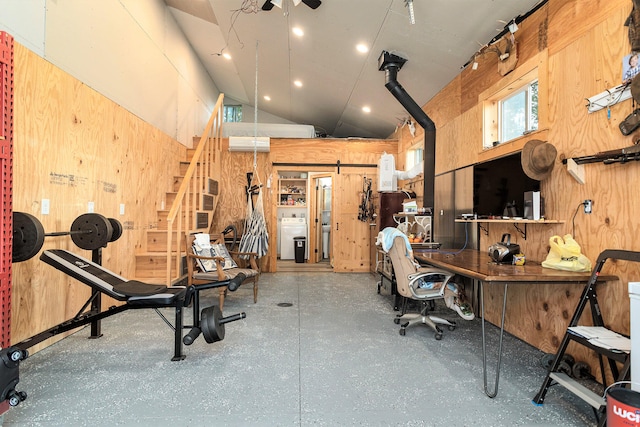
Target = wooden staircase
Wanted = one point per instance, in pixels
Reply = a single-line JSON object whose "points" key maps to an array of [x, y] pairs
{"points": [[189, 207], [151, 265]]}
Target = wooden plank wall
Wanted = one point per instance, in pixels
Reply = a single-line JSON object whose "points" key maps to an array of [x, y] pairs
{"points": [[74, 146], [582, 44], [351, 248]]}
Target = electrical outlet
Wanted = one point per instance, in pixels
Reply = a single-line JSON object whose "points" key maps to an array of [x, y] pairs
{"points": [[588, 206]]}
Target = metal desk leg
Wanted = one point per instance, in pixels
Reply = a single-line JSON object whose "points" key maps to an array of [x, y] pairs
{"points": [[494, 393]]}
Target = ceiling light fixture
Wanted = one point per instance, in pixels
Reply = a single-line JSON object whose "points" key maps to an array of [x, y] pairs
{"points": [[298, 83], [297, 31], [278, 3], [267, 98], [412, 17], [362, 48], [366, 109], [226, 56]]}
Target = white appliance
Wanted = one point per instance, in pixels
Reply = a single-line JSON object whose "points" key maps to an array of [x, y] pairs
{"points": [[248, 143], [290, 228]]}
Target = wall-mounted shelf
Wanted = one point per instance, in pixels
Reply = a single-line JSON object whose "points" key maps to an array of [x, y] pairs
{"points": [[514, 221], [292, 191]]}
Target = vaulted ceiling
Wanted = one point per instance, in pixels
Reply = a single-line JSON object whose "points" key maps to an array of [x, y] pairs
{"points": [[337, 80]]}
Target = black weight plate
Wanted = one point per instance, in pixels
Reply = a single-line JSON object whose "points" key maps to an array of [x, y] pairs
{"points": [[547, 360], [91, 231], [568, 358], [117, 229], [28, 236], [212, 330], [581, 371], [564, 368]]}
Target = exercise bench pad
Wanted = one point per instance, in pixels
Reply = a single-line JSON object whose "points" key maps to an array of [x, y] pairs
{"points": [[111, 284]]}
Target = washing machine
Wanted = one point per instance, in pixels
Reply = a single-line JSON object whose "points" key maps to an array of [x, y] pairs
{"points": [[290, 228]]}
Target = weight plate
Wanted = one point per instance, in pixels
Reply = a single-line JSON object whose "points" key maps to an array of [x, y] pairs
{"points": [[28, 236], [581, 371], [91, 231], [564, 368], [212, 330], [547, 360], [568, 358], [117, 229]]}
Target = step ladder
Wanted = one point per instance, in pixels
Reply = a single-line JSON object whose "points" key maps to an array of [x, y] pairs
{"points": [[612, 356]]}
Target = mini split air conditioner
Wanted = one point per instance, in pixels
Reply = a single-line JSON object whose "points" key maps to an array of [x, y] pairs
{"points": [[246, 143]]}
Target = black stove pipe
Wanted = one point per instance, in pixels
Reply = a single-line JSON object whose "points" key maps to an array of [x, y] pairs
{"points": [[391, 64]]}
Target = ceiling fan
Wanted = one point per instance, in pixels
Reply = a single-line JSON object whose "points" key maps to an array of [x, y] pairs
{"points": [[268, 5]]}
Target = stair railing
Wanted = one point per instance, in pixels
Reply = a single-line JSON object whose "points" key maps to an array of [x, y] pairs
{"points": [[205, 164]]}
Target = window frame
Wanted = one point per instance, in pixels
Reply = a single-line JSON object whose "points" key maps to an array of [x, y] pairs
{"points": [[236, 113], [491, 107], [528, 119]]}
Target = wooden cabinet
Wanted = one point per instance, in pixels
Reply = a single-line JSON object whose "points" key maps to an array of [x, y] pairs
{"points": [[292, 191]]}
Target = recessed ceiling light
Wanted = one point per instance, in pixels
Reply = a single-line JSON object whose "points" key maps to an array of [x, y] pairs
{"points": [[366, 109], [298, 83], [297, 31], [362, 48], [226, 55], [267, 98]]}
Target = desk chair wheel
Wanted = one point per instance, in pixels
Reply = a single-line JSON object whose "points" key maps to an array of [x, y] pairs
{"points": [[439, 335], [452, 326], [403, 328], [396, 320]]}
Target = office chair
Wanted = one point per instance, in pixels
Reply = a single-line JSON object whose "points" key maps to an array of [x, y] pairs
{"points": [[417, 283]]}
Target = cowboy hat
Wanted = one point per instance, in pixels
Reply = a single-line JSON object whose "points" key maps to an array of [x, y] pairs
{"points": [[538, 159]]}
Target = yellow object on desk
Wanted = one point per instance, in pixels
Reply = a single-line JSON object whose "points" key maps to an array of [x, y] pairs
{"points": [[519, 259]]}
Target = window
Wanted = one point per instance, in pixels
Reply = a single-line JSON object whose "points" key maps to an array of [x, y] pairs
{"points": [[414, 156], [510, 107], [518, 113], [232, 113]]}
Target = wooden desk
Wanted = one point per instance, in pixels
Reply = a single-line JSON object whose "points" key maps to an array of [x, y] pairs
{"points": [[479, 266]]}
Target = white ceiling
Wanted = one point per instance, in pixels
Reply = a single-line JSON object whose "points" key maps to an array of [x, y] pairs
{"points": [[337, 80]]}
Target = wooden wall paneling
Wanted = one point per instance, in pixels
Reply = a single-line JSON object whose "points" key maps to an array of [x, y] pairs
{"points": [[586, 64], [470, 137], [474, 82], [447, 142], [579, 16], [82, 147], [446, 104], [578, 48], [232, 205]]}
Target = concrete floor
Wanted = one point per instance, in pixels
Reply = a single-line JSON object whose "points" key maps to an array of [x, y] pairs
{"points": [[333, 357]]}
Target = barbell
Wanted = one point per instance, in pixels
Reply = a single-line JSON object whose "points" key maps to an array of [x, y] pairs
{"points": [[88, 231]]}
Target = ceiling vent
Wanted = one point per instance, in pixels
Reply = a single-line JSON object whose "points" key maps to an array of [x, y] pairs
{"points": [[249, 143]]}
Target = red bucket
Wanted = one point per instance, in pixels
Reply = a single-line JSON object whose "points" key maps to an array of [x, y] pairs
{"points": [[623, 407]]}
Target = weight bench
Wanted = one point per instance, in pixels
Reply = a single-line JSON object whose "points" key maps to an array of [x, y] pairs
{"points": [[134, 295]]}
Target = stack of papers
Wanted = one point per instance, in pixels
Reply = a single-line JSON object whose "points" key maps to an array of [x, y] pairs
{"points": [[603, 337]]}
